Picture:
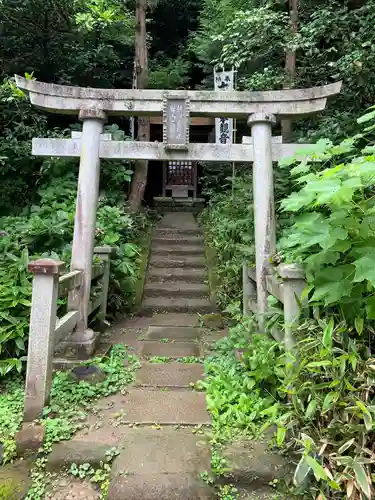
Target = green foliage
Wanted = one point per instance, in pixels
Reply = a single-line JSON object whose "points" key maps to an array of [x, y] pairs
{"points": [[11, 408], [230, 232], [254, 36], [48, 231], [333, 232], [239, 391], [169, 74], [100, 475], [73, 42], [229, 226], [19, 171], [69, 401], [329, 417]]}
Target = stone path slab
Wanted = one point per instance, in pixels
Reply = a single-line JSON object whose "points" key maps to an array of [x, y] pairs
{"points": [[147, 407], [169, 374], [178, 220], [174, 232], [194, 261], [177, 319], [176, 333], [154, 451], [176, 304], [180, 289], [188, 275], [159, 487], [169, 250], [179, 239], [170, 349], [65, 453]]}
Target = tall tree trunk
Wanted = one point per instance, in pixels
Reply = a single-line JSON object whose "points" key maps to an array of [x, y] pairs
{"points": [[141, 64], [290, 68]]}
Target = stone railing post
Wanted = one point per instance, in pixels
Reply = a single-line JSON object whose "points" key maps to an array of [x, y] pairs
{"points": [[248, 290], [85, 217], [264, 205], [294, 284], [41, 337], [104, 254]]}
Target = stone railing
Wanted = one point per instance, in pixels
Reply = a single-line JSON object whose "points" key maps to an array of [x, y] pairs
{"points": [[287, 284], [46, 329]]}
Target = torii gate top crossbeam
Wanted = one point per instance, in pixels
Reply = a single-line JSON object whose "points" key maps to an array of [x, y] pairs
{"points": [[127, 102]]}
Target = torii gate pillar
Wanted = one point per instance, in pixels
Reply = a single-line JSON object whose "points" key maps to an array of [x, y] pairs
{"points": [[264, 206], [85, 217]]}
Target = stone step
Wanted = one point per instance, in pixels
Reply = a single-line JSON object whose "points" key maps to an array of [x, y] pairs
{"points": [[178, 220], [169, 374], [176, 274], [179, 239], [175, 320], [191, 261], [162, 464], [174, 333], [150, 406], [169, 349], [152, 305], [174, 250], [173, 232], [176, 290]]}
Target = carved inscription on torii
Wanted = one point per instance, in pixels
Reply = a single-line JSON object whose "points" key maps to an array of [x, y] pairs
{"points": [[176, 122]]}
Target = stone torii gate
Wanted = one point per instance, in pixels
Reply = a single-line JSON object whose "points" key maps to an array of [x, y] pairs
{"points": [[94, 105]]}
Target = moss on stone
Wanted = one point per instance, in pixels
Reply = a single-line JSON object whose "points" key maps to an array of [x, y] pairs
{"points": [[213, 321], [14, 481], [144, 258]]}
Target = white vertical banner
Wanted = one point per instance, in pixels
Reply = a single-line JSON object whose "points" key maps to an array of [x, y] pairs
{"points": [[224, 80]]}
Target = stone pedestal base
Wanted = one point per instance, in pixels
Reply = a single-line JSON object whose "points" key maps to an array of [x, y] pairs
{"points": [[79, 346], [166, 205], [29, 439]]}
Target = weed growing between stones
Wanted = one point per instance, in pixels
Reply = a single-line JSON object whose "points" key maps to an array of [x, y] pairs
{"points": [[11, 407], [240, 393], [100, 475], [228, 492], [69, 404], [165, 359], [240, 385]]}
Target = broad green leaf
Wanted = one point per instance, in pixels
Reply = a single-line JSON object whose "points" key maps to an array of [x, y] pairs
{"points": [[366, 117], [328, 400], [345, 446], [363, 408], [358, 323], [327, 334], [361, 477], [365, 269], [301, 472], [318, 470], [332, 292], [280, 436], [311, 409], [370, 307], [368, 421], [318, 364]]}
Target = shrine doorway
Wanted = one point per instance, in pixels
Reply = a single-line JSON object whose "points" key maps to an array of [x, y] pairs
{"points": [[173, 184], [180, 179]]}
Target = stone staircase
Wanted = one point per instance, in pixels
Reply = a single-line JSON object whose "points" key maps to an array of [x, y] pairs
{"points": [[157, 426], [177, 268]]}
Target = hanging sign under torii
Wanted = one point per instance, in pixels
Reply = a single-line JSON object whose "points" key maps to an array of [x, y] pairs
{"points": [[224, 82], [94, 106]]}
